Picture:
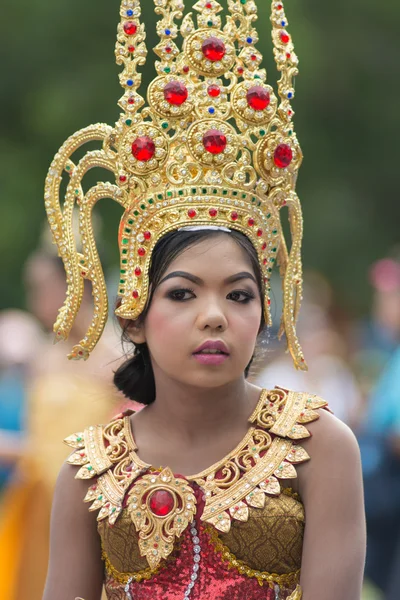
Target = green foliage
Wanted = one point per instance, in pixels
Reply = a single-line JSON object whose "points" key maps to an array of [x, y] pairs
{"points": [[58, 75]]}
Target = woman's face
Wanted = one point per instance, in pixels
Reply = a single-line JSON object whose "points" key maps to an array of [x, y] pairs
{"points": [[197, 300]]}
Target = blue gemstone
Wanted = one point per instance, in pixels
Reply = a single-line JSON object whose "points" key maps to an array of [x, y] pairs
{"points": [[129, 82], [129, 13], [167, 32], [211, 111], [290, 95], [283, 23], [249, 40]]}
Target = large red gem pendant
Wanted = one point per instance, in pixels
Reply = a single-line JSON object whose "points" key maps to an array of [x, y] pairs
{"points": [[175, 93], [258, 97], [161, 503], [213, 49], [143, 148], [283, 156], [214, 141]]}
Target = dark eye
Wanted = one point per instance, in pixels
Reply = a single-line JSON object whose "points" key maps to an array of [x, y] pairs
{"points": [[246, 296], [179, 295]]}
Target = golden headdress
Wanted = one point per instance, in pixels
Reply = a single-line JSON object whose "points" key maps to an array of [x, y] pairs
{"points": [[214, 146]]}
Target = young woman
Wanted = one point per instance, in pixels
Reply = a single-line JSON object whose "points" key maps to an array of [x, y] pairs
{"points": [[206, 492]]}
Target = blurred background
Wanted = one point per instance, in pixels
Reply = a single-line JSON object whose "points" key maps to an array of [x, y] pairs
{"points": [[59, 75]]}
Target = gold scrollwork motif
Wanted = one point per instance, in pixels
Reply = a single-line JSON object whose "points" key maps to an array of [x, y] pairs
{"points": [[161, 507]]}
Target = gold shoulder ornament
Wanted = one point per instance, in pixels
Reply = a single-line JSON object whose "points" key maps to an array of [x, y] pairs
{"points": [[161, 504], [212, 145]]}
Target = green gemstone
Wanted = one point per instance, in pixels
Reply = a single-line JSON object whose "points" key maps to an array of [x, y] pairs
{"points": [[127, 230], [275, 231], [151, 201], [204, 190], [194, 190], [290, 132], [167, 69], [125, 241], [274, 249], [122, 281], [234, 193], [143, 206], [90, 468], [125, 251], [160, 196], [224, 192], [210, 23], [82, 262], [215, 191], [124, 261], [136, 213], [180, 192], [272, 260], [79, 439], [268, 215], [123, 271], [269, 270], [164, 125], [244, 196], [131, 222], [68, 168], [262, 131], [243, 1], [257, 77], [76, 192], [113, 510], [138, 514], [259, 204], [169, 194], [100, 498], [128, 122]]}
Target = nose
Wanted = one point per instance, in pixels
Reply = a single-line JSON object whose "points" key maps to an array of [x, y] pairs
{"points": [[212, 316]]}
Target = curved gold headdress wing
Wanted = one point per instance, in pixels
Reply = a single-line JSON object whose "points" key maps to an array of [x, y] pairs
{"points": [[213, 145]]}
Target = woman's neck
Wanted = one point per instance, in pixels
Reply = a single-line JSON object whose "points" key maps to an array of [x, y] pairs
{"points": [[191, 413]]}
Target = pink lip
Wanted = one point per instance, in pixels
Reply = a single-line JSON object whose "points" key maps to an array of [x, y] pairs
{"points": [[213, 345], [211, 359]]}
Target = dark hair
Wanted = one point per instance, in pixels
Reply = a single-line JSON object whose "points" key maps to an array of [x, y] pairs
{"points": [[135, 377]]}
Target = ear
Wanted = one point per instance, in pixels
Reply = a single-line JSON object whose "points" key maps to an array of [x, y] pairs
{"points": [[134, 330]]}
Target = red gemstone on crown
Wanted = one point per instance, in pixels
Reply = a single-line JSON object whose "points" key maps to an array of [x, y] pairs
{"points": [[214, 141], [147, 235], [259, 232], [253, 57], [234, 216], [161, 503], [213, 212], [185, 69], [135, 294], [122, 178], [285, 37], [131, 49], [283, 156], [141, 251], [138, 271], [208, 5], [250, 222], [131, 100], [130, 28], [213, 91], [175, 93], [192, 213], [143, 148], [213, 49], [258, 97], [264, 246], [240, 70]]}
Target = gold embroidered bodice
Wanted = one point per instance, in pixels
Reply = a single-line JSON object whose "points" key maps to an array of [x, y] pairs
{"points": [[250, 518]]}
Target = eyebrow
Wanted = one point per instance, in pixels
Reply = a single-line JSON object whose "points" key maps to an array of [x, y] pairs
{"points": [[199, 281]]}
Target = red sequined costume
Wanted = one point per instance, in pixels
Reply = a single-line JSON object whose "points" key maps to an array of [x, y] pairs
{"points": [[234, 531]]}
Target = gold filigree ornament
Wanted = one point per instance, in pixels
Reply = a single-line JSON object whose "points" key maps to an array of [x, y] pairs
{"points": [[213, 145], [161, 507]]}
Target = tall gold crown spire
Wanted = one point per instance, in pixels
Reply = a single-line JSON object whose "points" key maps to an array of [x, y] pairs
{"points": [[213, 145]]}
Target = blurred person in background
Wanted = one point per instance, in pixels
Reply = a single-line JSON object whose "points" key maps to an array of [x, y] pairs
{"points": [[375, 339], [61, 396], [379, 439], [20, 336], [329, 374]]}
